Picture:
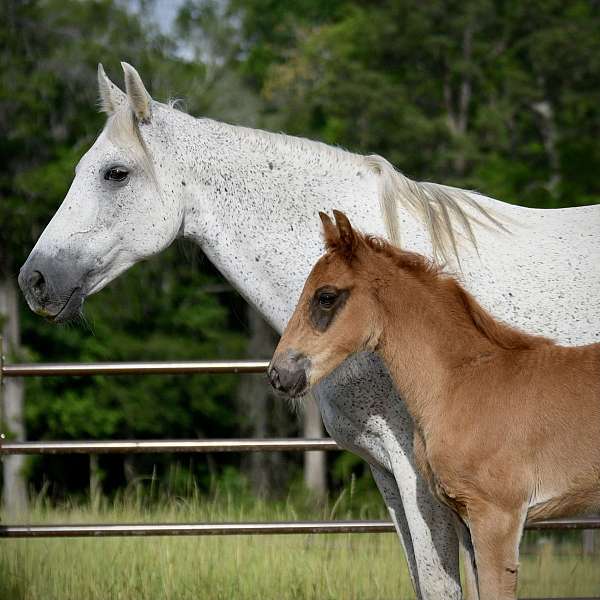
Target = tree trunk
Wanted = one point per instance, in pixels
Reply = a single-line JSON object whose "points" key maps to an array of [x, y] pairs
{"points": [[458, 102], [549, 133], [315, 464], [95, 482], [14, 492], [588, 541], [266, 414]]}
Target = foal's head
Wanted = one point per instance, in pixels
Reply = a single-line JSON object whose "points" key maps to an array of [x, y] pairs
{"points": [[338, 313]]}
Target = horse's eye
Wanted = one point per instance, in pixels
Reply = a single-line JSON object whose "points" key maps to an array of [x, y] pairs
{"points": [[327, 299], [116, 174]]}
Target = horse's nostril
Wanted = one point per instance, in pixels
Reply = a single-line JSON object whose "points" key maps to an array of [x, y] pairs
{"points": [[37, 283]]}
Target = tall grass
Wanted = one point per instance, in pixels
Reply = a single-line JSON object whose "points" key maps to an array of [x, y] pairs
{"points": [[290, 567]]}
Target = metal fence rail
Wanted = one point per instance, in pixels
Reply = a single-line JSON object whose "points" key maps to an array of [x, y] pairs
{"points": [[156, 446], [241, 528], [150, 446], [134, 368]]}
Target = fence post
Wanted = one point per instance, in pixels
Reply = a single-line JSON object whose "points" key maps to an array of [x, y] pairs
{"points": [[588, 541], [14, 487]]}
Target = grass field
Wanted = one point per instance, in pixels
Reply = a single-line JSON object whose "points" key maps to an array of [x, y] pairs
{"points": [[291, 567]]}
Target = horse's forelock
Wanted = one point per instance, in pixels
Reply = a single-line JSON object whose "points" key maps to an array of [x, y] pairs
{"points": [[123, 130]]}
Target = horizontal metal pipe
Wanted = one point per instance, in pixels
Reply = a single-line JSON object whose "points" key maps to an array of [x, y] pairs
{"points": [[269, 528], [149, 446], [134, 368], [289, 527]]}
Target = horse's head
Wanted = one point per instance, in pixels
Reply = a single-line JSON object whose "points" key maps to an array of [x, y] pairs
{"points": [[337, 314], [115, 213]]}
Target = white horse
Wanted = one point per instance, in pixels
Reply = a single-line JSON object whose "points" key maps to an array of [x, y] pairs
{"points": [[250, 200]]}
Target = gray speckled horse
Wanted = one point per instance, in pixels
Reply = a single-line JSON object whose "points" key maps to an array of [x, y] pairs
{"points": [[249, 199]]}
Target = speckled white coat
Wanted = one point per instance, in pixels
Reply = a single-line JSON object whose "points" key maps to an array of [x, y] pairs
{"points": [[250, 200]]}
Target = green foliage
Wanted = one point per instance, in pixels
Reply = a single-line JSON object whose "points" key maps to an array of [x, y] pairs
{"points": [[162, 310], [497, 95]]}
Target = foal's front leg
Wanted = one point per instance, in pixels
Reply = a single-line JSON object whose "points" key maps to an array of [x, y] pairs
{"points": [[496, 534]]}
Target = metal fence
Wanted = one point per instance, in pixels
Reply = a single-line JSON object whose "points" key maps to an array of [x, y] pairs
{"points": [[216, 445]]}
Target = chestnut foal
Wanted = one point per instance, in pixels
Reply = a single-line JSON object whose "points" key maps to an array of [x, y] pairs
{"points": [[507, 425]]}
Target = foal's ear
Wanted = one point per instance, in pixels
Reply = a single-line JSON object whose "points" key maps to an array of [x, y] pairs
{"points": [[330, 232], [111, 97], [348, 240], [139, 99]]}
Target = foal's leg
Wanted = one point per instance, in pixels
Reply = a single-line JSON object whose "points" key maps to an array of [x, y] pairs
{"points": [[496, 534]]}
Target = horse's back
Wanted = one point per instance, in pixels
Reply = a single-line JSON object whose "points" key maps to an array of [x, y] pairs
{"points": [[543, 276]]}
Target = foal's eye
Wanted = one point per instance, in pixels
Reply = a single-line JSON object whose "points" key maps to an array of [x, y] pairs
{"points": [[327, 299], [119, 174]]}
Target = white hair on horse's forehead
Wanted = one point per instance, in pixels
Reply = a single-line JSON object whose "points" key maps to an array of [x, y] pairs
{"points": [[123, 130]]}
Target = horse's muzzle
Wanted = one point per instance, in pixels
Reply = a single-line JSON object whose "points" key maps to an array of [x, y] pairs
{"points": [[51, 288]]}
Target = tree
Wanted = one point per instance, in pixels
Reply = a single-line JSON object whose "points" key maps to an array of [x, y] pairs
{"points": [[48, 118], [497, 96]]}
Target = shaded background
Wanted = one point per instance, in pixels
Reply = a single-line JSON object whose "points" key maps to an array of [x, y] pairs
{"points": [[498, 96]]}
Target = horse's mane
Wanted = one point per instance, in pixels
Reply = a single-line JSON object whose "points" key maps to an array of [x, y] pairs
{"points": [[445, 211], [497, 332]]}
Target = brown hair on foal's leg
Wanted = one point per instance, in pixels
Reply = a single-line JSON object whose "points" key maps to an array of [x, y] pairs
{"points": [[507, 425], [496, 535]]}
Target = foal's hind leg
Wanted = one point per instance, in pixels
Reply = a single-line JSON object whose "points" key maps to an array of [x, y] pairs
{"points": [[496, 534]]}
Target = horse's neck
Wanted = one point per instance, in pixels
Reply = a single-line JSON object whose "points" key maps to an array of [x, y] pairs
{"points": [[252, 200]]}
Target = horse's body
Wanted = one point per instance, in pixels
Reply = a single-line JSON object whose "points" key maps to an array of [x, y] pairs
{"points": [[507, 424], [248, 198]]}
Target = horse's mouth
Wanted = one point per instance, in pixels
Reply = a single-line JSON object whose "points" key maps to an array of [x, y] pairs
{"points": [[69, 309]]}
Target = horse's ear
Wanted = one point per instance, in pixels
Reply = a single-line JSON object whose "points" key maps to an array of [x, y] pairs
{"points": [[139, 99], [330, 232], [348, 239], [111, 97]]}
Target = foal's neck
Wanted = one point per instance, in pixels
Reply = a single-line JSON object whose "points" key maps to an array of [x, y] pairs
{"points": [[428, 337]]}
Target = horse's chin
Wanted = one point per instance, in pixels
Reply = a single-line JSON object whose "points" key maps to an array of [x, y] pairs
{"points": [[70, 309]]}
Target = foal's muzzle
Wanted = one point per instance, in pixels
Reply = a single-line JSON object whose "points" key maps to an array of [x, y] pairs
{"points": [[288, 373]]}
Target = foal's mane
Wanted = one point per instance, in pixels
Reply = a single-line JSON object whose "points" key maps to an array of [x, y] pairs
{"points": [[499, 333]]}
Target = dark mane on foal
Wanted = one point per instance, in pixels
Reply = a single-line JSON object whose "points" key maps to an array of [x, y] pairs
{"points": [[499, 333]]}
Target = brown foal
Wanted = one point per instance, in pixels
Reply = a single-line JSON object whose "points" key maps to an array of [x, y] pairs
{"points": [[507, 425]]}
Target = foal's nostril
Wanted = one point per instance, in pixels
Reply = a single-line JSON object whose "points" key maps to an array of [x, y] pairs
{"points": [[38, 284], [288, 381], [273, 376]]}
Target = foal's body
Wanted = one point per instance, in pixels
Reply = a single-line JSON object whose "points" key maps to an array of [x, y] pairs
{"points": [[507, 425]]}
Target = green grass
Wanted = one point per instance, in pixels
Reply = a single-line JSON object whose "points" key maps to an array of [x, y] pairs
{"points": [[291, 567]]}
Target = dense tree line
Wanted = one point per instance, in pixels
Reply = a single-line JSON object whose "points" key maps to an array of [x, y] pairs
{"points": [[501, 96]]}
